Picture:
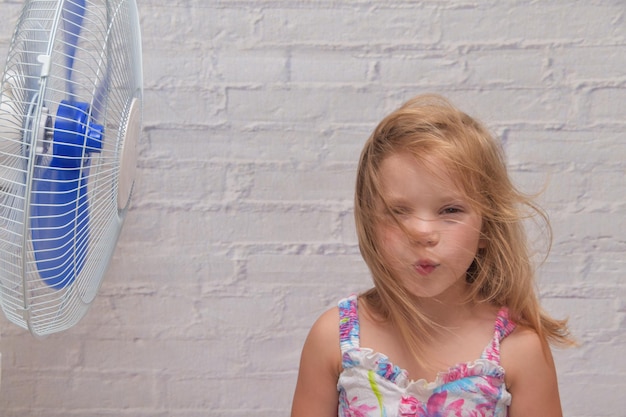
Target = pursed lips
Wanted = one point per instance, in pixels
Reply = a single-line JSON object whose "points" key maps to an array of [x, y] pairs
{"points": [[425, 267]]}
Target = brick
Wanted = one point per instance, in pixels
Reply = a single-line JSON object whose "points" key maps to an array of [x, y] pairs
{"points": [[174, 106], [510, 66], [310, 65], [529, 23], [251, 66], [276, 105], [272, 226], [587, 316], [603, 104], [328, 183], [426, 69], [588, 63]]}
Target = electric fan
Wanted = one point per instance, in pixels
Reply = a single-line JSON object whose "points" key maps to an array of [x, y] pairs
{"points": [[70, 120]]}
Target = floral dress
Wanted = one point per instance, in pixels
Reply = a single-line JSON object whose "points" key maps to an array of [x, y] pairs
{"points": [[370, 385]]}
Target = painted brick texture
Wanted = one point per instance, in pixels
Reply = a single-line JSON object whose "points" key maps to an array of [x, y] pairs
{"points": [[241, 230]]}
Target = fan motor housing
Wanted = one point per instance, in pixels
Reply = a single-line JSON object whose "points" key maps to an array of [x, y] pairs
{"points": [[74, 136]]}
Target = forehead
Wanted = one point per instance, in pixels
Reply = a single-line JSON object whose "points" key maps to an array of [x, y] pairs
{"points": [[403, 174]]}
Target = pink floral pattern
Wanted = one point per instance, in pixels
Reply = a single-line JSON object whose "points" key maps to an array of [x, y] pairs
{"points": [[370, 385], [350, 408], [435, 406]]}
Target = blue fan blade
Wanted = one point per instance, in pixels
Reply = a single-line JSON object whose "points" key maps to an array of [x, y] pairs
{"points": [[59, 206], [73, 15], [60, 225], [99, 97]]}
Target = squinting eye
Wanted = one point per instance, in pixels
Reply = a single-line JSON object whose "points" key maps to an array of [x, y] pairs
{"points": [[399, 211], [452, 210]]}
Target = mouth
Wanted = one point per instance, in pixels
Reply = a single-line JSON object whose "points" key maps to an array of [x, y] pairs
{"points": [[425, 267]]}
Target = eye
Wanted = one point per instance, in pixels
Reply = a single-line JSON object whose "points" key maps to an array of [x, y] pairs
{"points": [[399, 211], [452, 210]]}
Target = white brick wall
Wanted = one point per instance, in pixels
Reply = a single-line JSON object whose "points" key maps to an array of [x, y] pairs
{"points": [[241, 230]]}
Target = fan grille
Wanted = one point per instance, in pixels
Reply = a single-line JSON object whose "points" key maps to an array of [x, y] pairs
{"points": [[46, 286]]}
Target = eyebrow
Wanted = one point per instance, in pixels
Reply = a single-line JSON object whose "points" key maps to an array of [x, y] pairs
{"points": [[442, 199]]}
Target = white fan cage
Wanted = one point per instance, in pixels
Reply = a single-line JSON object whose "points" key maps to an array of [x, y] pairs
{"points": [[107, 75]]}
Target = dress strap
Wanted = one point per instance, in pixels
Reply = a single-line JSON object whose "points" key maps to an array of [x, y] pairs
{"points": [[348, 323], [503, 327]]}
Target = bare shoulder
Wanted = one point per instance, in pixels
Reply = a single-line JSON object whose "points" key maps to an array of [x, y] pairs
{"points": [[523, 352], [520, 343], [530, 374], [320, 364], [324, 337]]}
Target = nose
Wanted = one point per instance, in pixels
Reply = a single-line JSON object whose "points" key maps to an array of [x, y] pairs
{"points": [[423, 231]]}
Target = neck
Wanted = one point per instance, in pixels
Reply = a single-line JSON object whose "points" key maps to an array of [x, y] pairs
{"points": [[447, 310]]}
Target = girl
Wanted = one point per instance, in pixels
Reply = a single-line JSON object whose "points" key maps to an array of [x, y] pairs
{"points": [[452, 326]]}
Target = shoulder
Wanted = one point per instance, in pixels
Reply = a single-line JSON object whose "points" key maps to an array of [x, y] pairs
{"points": [[521, 346], [327, 324], [322, 344], [530, 374], [524, 351], [332, 327], [320, 365]]}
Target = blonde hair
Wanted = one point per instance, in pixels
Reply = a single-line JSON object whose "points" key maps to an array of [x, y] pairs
{"points": [[429, 127]]}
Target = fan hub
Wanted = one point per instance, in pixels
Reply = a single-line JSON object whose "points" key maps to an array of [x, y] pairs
{"points": [[75, 137]]}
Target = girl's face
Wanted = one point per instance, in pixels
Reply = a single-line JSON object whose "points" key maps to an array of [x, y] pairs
{"points": [[437, 233]]}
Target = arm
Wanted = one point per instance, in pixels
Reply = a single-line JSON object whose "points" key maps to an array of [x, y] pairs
{"points": [[530, 376], [316, 390]]}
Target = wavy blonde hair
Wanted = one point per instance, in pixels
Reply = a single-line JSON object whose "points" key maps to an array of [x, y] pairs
{"points": [[430, 127]]}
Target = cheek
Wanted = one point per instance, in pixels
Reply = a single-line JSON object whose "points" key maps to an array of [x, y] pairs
{"points": [[389, 235], [391, 240], [472, 237]]}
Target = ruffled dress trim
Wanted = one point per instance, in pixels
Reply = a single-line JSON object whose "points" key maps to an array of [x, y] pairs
{"points": [[487, 366]]}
